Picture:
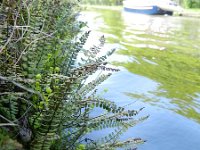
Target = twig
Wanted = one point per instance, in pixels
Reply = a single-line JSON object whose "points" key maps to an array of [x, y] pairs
{"points": [[11, 35], [7, 124], [21, 86]]}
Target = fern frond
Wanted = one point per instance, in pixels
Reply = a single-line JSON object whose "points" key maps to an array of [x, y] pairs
{"points": [[90, 86]]}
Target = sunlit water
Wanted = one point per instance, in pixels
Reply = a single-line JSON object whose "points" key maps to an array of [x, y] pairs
{"points": [[159, 58]]}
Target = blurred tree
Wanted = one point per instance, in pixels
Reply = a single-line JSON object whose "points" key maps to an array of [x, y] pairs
{"points": [[103, 2], [189, 3]]}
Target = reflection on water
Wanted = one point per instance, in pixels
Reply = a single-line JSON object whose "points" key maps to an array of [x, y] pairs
{"points": [[165, 50], [170, 56]]}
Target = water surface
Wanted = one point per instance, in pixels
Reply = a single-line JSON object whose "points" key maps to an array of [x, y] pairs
{"points": [[159, 57]]}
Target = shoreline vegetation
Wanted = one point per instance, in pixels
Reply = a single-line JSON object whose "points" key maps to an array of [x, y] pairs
{"points": [[188, 13], [49, 81], [185, 12]]}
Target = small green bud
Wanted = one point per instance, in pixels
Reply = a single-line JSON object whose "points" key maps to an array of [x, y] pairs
{"points": [[46, 98], [57, 69], [41, 105], [105, 90], [87, 130], [37, 84], [56, 87], [49, 56], [92, 106], [81, 147], [38, 76], [48, 90], [57, 80], [38, 88]]}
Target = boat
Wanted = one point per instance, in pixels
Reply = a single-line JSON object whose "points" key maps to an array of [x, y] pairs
{"points": [[151, 7]]}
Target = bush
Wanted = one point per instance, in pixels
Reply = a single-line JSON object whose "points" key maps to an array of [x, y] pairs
{"points": [[191, 3]]}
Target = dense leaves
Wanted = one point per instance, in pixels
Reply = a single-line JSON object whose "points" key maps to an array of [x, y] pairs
{"points": [[189, 3], [103, 2]]}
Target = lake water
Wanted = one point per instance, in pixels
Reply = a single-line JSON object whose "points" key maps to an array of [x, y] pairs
{"points": [[159, 58]]}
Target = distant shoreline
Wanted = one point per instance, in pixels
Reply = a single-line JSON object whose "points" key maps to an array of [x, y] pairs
{"points": [[188, 13], [103, 7], [185, 12]]}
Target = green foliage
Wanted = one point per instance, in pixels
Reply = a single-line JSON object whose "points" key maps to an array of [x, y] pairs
{"points": [[6, 143], [103, 2], [44, 101], [189, 3]]}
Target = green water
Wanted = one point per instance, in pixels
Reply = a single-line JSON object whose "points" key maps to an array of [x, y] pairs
{"points": [[159, 57]]}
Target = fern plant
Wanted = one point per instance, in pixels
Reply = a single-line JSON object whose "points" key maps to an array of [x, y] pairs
{"points": [[45, 101]]}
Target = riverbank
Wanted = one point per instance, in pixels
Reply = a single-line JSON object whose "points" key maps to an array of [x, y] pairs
{"points": [[101, 7], [188, 13], [183, 12]]}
